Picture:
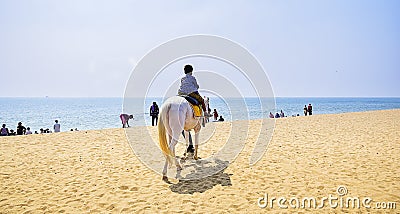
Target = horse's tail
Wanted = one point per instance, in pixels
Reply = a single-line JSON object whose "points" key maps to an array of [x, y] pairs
{"points": [[162, 134]]}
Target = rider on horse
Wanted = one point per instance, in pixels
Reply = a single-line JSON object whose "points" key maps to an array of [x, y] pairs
{"points": [[190, 87]]}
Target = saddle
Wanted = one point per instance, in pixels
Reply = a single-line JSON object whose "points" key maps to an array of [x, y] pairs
{"points": [[195, 104]]}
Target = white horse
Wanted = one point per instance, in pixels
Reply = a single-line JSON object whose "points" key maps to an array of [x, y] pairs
{"points": [[176, 115]]}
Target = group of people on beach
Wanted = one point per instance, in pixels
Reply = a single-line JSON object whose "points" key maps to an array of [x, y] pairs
{"points": [[21, 130], [307, 111], [277, 115], [215, 114]]}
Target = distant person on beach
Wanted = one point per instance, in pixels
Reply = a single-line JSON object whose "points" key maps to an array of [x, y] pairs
{"points": [[124, 119], [282, 114], [215, 113], [21, 129], [208, 106], [207, 113], [309, 109], [207, 103], [4, 131], [305, 110], [277, 115], [12, 133], [57, 126], [154, 111], [206, 117], [221, 119], [190, 87], [28, 131], [271, 115]]}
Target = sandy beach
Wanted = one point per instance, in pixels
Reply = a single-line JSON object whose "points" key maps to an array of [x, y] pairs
{"points": [[97, 171]]}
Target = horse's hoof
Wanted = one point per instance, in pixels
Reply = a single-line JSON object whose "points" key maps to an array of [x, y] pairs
{"points": [[165, 179]]}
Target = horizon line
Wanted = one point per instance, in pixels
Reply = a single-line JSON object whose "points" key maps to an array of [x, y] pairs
{"points": [[209, 96]]}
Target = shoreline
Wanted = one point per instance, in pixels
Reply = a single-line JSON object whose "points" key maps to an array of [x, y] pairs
{"points": [[226, 121]]}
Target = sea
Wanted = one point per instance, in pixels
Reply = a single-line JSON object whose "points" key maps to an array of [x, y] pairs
{"points": [[103, 113]]}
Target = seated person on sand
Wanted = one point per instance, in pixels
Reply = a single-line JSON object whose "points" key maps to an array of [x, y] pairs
{"points": [[21, 129], [221, 119], [28, 131], [190, 87], [271, 115], [4, 131]]}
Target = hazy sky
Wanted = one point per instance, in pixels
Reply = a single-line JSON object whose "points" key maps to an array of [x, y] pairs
{"points": [[308, 48]]}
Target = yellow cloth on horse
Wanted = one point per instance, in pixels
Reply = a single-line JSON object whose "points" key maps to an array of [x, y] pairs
{"points": [[196, 110]]}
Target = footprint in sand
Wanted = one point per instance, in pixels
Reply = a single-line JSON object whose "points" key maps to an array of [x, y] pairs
{"points": [[123, 187]]}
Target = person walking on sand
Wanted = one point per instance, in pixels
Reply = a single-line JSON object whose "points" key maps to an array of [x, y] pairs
{"points": [[309, 109], [154, 111], [57, 126], [190, 87], [305, 110], [124, 119], [207, 113], [215, 113], [282, 114], [4, 131]]}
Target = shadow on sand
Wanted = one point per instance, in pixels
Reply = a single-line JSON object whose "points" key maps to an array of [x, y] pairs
{"points": [[198, 181]]}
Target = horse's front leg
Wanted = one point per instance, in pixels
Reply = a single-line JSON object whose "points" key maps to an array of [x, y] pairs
{"points": [[196, 140], [186, 136], [165, 177]]}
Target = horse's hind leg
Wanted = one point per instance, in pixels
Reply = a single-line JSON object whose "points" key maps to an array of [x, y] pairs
{"points": [[172, 146], [170, 142], [176, 124]]}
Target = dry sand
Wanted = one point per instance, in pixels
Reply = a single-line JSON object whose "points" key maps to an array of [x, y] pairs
{"points": [[97, 171]]}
